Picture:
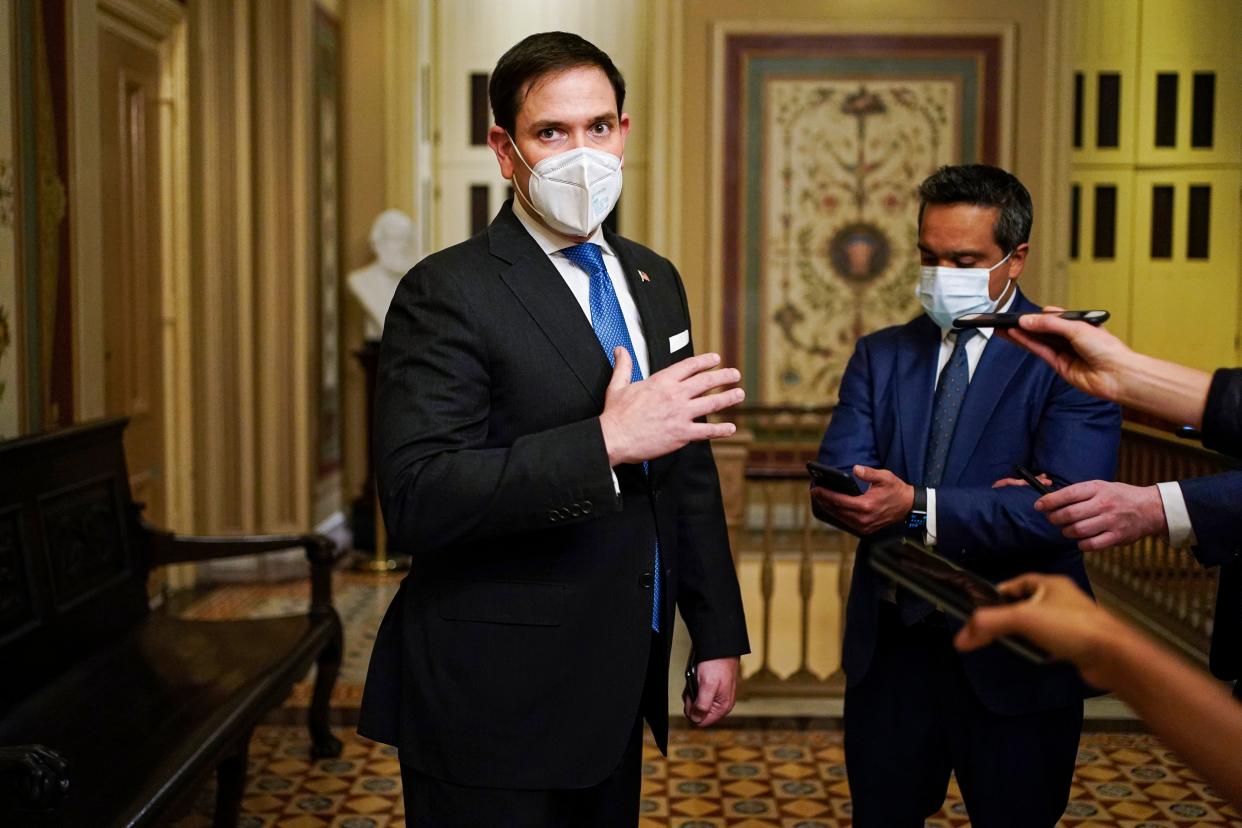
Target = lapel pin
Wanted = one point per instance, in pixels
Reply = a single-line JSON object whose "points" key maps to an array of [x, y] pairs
{"points": [[644, 276]]}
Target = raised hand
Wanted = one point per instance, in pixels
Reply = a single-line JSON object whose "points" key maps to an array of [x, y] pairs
{"points": [[655, 417]]}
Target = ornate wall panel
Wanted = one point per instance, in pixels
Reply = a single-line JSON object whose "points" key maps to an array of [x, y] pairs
{"points": [[84, 540], [826, 138]]}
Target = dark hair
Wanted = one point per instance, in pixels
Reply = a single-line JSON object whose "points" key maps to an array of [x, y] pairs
{"points": [[984, 186], [539, 55]]}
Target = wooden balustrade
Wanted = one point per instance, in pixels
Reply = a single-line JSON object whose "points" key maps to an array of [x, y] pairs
{"points": [[773, 531], [1162, 588]]}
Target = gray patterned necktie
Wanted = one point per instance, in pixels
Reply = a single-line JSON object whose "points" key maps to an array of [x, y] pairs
{"points": [[946, 407]]}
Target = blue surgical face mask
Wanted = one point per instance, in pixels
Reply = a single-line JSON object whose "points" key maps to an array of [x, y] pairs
{"points": [[949, 292]]}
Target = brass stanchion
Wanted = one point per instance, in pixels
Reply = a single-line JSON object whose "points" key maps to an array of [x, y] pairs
{"points": [[381, 562]]}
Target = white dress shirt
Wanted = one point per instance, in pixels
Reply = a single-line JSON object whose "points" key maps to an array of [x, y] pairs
{"points": [[974, 350], [579, 283], [1177, 516]]}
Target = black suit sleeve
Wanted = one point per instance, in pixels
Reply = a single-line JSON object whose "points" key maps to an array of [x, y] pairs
{"points": [[440, 483], [1222, 416], [1212, 505], [707, 588]]}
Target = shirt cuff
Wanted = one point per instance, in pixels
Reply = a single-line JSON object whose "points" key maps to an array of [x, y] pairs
{"points": [[616, 484], [1177, 516], [929, 530]]}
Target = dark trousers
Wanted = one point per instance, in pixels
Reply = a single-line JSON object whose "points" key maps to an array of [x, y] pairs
{"points": [[613, 803], [914, 719]]}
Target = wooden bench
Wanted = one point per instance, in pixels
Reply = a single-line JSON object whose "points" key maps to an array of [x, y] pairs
{"points": [[111, 714]]}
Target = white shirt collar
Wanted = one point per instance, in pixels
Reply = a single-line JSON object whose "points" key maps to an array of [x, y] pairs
{"points": [[548, 242], [985, 332]]}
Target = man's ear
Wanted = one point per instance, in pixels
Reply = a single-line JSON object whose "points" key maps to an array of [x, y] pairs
{"points": [[1017, 260], [499, 141]]}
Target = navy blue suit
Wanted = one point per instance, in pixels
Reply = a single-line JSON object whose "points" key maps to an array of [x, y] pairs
{"points": [[1215, 507], [1015, 411]]}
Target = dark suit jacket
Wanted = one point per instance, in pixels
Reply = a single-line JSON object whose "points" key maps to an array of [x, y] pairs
{"points": [[514, 653], [1222, 413], [1215, 507], [1016, 411]]}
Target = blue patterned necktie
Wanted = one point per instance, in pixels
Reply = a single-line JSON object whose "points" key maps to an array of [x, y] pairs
{"points": [[946, 406], [609, 325]]}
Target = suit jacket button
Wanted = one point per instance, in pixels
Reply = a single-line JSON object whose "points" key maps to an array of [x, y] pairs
{"points": [[553, 516], [645, 580], [575, 510], [587, 506]]}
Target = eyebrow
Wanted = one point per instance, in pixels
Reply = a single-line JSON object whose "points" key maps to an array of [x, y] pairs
{"points": [[539, 126], [955, 254]]}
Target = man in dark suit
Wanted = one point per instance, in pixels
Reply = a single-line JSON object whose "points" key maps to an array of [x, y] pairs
{"points": [[928, 420], [557, 507], [1204, 513]]}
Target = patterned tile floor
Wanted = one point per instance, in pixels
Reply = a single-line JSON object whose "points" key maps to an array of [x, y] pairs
{"points": [[743, 777], [717, 779]]}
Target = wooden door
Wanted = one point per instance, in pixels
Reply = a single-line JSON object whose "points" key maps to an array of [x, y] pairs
{"points": [[129, 75]]}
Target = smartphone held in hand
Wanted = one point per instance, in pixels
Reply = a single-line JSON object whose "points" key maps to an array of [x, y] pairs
{"points": [[1010, 320]]}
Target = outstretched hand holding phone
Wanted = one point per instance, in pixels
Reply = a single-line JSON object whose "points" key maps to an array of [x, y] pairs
{"points": [[1093, 360]]}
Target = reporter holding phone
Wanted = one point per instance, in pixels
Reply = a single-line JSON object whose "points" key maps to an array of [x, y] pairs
{"points": [[1189, 711], [928, 420], [1203, 513]]}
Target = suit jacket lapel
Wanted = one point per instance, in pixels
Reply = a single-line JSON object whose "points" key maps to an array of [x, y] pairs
{"points": [[916, 374], [993, 374], [540, 289], [657, 357], [996, 369]]}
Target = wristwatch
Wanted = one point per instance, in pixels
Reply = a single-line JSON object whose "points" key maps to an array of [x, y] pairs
{"points": [[917, 519]]}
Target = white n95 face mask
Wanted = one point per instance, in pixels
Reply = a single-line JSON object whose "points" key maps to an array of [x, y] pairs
{"points": [[573, 191], [949, 292]]}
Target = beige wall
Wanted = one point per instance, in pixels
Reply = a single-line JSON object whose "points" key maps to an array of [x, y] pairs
{"points": [[379, 170], [688, 199], [363, 197]]}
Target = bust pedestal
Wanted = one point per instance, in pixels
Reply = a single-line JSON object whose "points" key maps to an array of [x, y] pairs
{"points": [[365, 522]]}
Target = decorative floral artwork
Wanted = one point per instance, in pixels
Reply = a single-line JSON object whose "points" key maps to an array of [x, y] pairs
{"points": [[826, 140], [838, 216]]}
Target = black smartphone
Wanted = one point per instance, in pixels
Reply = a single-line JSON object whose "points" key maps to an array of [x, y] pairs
{"points": [[1010, 320], [949, 587], [1032, 480], [835, 480], [692, 679]]}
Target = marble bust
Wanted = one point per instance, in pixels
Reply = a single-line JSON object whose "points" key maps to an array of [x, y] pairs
{"points": [[393, 242]]}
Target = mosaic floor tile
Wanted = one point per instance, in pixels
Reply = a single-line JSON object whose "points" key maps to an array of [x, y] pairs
{"points": [[719, 779]]}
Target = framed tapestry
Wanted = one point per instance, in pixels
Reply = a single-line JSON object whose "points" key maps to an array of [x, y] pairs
{"points": [[826, 137]]}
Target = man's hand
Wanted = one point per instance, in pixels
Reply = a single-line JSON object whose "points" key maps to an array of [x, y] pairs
{"points": [[1089, 358], [649, 419], [1057, 616], [1100, 515], [717, 691], [888, 501]]}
